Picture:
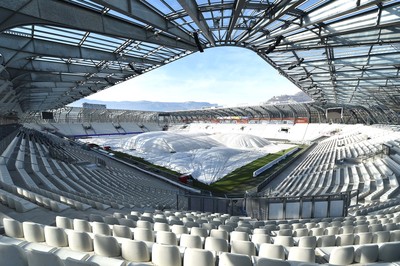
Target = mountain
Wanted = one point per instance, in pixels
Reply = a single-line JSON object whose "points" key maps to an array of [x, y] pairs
{"points": [[299, 97], [147, 105]]}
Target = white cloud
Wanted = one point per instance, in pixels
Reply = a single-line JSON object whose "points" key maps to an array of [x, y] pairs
{"points": [[227, 76]]}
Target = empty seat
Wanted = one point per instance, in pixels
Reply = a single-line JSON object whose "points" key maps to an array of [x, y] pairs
{"points": [[167, 238], [64, 222], [235, 235], [179, 229], [272, 251], [363, 238], [166, 255], [122, 231], [326, 241], [342, 255], [101, 228], [390, 226], [332, 230], [366, 254], [198, 257], [286, 241], [161, 227], [375, 228], [135, 250], [389, 252], [80, 241], [143, 224], [127, 222], [225, 227], [307, 242], [199, 232], [345, 240], [285, 232], [106, 246], [395, 235], [82, 226], [216, 244], [258, 239], [300, 232], [323, 224], [143, 234], [381, 237], [260, 231], [190, 241], [55, 236], [219, 234], [11, 255], [13, 228], [243, 247], [40, 258], [110, 220], [361, 228], [33, 232], [302, 254], [229, 259], [316, 231], [96, 218]]}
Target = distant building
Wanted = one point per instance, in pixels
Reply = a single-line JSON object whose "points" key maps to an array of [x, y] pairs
{"points": [[94, 106]]}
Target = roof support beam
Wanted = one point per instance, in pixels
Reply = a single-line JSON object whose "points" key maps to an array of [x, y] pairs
{"points": [[192, 10], [72, 16], [238, 6], [138, 10]]}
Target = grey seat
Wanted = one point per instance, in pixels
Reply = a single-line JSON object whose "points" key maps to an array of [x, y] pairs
{"points": [[366, 254], [342, 255]]}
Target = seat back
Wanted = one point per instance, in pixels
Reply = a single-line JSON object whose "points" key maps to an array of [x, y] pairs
{"points": [[272, 251], [243, 247], [122, 231], [40, 258], [230, 259], [286, 241], [82, 226], [166, 255], [217, 233], [134, 250], [13, 228], [307, 242], [326, 241], [55, 236], [80, 241], [345, 240], [366, 254], [302, 254], [33, 232], [101, 228], [342, 255], [106, 246], [12, 255], [167, 238], [381, 237], [363, 238], [216, 244], [198, 257], [64, 222], [190, 241], [389, 252]]}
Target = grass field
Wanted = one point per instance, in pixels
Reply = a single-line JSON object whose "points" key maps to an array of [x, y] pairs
{"points": [[242, 178]]}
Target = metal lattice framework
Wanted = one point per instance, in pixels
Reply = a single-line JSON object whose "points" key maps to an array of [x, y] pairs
{"points": [[53, 52]]}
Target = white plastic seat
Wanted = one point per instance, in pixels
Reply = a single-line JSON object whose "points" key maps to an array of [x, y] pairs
{"points": [[342, 255], [316, 231], [229, 259], [226, 227], [345, 240], [190, 241], [326, 241], [33, 232], [166, 255], [219, 234], [101, 228], [363, 238], [167, 238], [110, 220], [302, 254], [198, 257], [127, 222], [122, 231], [258, 239], [286, 241], [55, 236], [363, 228], [143, 234], [76, 262], [395, 235], [216, 244], [389, 252], [381, 237], [262, 231], [299, 232], [134, 250], [272, 251], [285, 232], [332, 230], [40, 258], [236, 235], [366, 254], [64, 222], [346, 229], [80, 241], [199, 232], [307, 242], [161, 227], [179, 229], [143, 224], [12, 255], [243, 247], [106, 246], [82, 226], [13, 228]]}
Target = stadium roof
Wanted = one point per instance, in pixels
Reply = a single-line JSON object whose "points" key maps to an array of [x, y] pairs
{"points": [[54, 52]]}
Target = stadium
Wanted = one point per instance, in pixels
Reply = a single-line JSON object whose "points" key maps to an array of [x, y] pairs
{"points": [[309, 183]]}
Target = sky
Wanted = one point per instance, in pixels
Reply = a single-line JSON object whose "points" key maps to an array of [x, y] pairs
{"points": [[227, 76]]}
